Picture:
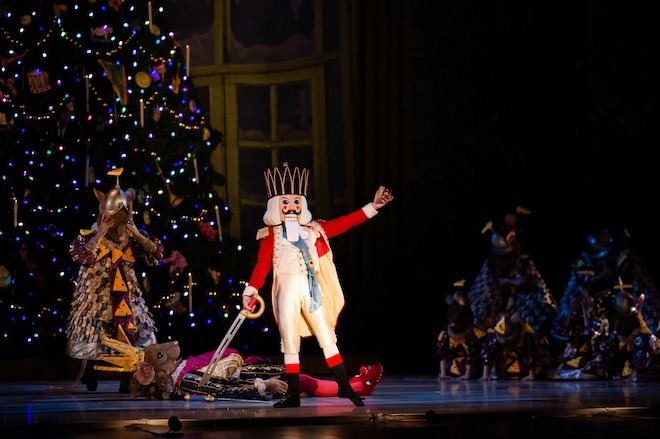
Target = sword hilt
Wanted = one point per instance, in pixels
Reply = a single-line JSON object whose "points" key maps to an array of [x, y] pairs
{"points": [[253, 315]]}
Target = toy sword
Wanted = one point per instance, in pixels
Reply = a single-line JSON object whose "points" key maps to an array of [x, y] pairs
{"points": [[240, 318]]}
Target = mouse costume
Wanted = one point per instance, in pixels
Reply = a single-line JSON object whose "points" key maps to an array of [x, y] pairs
{"points": [[107, 292]]}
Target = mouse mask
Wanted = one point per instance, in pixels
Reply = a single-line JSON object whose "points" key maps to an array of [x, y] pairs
{"points": [[116, 204]]}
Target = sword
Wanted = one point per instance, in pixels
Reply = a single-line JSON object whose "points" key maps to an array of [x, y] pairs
{"points": [[240, 318]]}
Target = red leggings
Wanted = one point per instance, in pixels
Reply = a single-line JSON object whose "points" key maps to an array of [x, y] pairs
{"points": [[317, 387]]}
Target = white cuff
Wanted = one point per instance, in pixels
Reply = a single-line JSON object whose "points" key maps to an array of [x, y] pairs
{"points": [[250, 291], [370, 210], [260, 386]]}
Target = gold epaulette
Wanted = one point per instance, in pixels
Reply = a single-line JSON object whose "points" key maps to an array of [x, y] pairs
{"points": [[262, 233], [128, 357]]}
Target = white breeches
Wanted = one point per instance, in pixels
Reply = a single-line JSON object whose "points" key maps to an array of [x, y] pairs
{"points": [[292, 298]]}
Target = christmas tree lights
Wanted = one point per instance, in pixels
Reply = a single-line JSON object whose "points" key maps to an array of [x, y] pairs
{"points": [[86, 87]]}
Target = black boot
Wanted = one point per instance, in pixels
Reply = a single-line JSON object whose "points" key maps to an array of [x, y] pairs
{"points": [[345, 389], [293, 400], [125, 382], [90, 377]]}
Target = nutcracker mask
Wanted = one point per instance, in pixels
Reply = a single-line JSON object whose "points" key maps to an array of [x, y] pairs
{"points": [[287, 199]]}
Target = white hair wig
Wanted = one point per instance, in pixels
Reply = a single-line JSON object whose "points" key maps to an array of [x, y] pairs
{"points": [[273, 212]]}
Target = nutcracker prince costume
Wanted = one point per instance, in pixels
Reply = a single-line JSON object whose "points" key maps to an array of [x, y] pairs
{"points": [[306, 294]]}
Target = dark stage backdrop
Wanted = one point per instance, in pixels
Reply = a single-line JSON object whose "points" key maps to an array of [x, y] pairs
{"points": [[552, 106]]}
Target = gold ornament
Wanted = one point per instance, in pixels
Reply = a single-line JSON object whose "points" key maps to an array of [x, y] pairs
{"points": [[143, 79], [25, 20], [39, 81]]}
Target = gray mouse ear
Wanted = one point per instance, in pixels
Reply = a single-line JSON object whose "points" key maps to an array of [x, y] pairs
{"points": [[101, 197], [459, 296], [130, 196]]}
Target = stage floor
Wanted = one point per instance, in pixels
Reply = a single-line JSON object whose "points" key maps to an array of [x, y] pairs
{"points": [[401, 406]]}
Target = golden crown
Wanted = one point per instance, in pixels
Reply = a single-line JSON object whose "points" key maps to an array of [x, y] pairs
{"points": [[286, 181], [127, 358]]}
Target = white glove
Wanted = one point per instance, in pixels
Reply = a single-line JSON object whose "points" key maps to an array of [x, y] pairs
{"points": [[250, 291]]}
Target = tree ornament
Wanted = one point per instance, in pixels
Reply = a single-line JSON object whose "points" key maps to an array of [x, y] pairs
{"points": [[142, 79], [207, 230], [39, 81]]}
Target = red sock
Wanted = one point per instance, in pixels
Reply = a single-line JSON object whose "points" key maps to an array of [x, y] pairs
{"points": [[292, 368], [334, 360]]}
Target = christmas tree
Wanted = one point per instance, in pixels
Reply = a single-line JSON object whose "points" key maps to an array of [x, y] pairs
{"points": [[86, 88]]}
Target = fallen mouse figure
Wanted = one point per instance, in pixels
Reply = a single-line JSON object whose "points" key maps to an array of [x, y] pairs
{"points": [[164, 375]]}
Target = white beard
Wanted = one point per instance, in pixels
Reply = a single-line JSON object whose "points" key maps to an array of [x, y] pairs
{"points": [[292, 228]]}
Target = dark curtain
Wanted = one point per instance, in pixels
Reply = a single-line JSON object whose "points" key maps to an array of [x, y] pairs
{"points": [[374, 273]]}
